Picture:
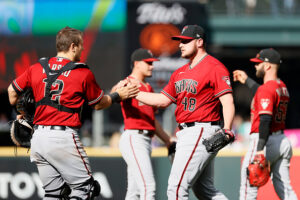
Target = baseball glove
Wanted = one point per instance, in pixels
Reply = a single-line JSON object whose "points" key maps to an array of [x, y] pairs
{"points": [[26, 105], [258, 171], [217, 141], [21, 133], [171, 151]]}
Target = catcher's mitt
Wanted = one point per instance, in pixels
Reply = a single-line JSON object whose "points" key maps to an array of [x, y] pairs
{"points": [[171, 151], [217, 141], [258, 171], [26, 105], [21, 133]]}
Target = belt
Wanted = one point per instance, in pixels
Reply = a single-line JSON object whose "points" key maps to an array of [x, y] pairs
{"points": [[148, 133], [190, 124], [277, 132], [58, 128]]}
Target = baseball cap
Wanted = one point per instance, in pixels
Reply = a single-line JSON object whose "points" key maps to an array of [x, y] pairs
{"points": [[142, 55], [190, 32], [267, 55]]}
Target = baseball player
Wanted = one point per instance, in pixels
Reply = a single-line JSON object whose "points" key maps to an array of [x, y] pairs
{"points": [[60, 86], [198, 89], [268, 113], [140, 126]]}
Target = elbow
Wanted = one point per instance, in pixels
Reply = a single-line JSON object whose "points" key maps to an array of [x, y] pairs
{"points": [[163, 105]]}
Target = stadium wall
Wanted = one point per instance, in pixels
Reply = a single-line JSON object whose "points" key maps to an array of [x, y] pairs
{"points": [[19, 178]]}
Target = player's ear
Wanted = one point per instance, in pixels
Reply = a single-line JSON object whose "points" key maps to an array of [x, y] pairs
{"points": [[267, 66], [72, 47], [199, 43]]}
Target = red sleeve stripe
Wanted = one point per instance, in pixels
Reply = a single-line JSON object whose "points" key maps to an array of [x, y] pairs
{"points": [[17, 86], [265, 112], [96, 100], [223, 92], [169, 96]]}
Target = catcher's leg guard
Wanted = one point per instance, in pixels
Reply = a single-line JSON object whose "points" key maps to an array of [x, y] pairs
{"points": [[61, 193], [91, 188]]}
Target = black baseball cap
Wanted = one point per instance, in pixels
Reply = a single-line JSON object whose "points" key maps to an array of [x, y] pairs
{"points": [[267, 55], [142, 55], [190, 32]]}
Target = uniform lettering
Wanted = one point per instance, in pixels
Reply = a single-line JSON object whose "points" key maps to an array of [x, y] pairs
{"points": [[188, 85], [282, 92]]}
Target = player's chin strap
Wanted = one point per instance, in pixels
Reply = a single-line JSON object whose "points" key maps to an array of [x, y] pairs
{"points": [[52, 75]]}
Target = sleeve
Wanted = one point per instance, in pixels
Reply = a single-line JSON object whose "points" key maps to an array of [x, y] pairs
{"points": [[265, 101], [93, 92], [221, 81], [252, 85], [22, 82], [264, 130], [169, 90]]}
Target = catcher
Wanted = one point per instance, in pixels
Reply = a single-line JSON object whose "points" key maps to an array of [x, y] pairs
{"points": [[22, 128], [268, 144]]}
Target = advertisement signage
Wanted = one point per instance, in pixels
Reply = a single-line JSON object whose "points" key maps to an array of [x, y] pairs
{"points": [[150, 25]]}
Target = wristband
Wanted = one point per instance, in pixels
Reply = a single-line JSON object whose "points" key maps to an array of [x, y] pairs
{"points": [[115, 97]]}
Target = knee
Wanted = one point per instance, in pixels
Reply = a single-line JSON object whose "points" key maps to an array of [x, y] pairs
{"points": [[86, 191], [62, 192]]}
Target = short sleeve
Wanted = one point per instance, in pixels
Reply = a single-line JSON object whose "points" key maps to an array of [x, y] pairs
{"points": [[93, 91], [265, 101], [221, 81], [22, 82], [169, 89]]}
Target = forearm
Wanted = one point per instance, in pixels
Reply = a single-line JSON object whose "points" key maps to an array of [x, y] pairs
{"points": [[264, 131], [153, 99], [161, 134], [104, 103], [12, 95], [252, 85], [228, 110]]}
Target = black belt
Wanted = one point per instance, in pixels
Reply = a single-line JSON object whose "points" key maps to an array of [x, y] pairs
{"points": [[58, 128], [146, 132], [190, 124]]}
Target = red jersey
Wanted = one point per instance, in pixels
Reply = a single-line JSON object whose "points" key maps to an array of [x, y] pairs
{"points": [[70, 89], [270, 98], [196, 91], [136, 114]]}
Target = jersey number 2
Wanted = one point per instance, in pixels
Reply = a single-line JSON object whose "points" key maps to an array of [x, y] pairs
{"points": [[56, 90]]}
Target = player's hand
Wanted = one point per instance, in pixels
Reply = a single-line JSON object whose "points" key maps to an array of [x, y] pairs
{"points": [[20, 116], [239, 75], [128, 91], [135, 82]]}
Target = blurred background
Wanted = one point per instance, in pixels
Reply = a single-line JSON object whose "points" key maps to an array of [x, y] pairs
{"points": [[236, 31]]}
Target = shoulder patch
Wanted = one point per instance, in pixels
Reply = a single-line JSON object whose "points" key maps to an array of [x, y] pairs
{"points": [[227, 80], [264, 103]]}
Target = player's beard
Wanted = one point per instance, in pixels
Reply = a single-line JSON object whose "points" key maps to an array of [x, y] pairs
{"points": [[189, 54], [260, 73], [77, 57]]}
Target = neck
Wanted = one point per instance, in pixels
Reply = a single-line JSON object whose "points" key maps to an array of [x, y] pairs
{"points": [[137, 75], [198, 56], [67, 55], [271, 75]]}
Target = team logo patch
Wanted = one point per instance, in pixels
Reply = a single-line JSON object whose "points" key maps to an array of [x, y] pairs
{"points": [[184, 29], [227, 80], [264, 103], [150, 53]]}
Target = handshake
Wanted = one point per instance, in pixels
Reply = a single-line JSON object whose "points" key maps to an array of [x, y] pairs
{"points": [[125, 89]]}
